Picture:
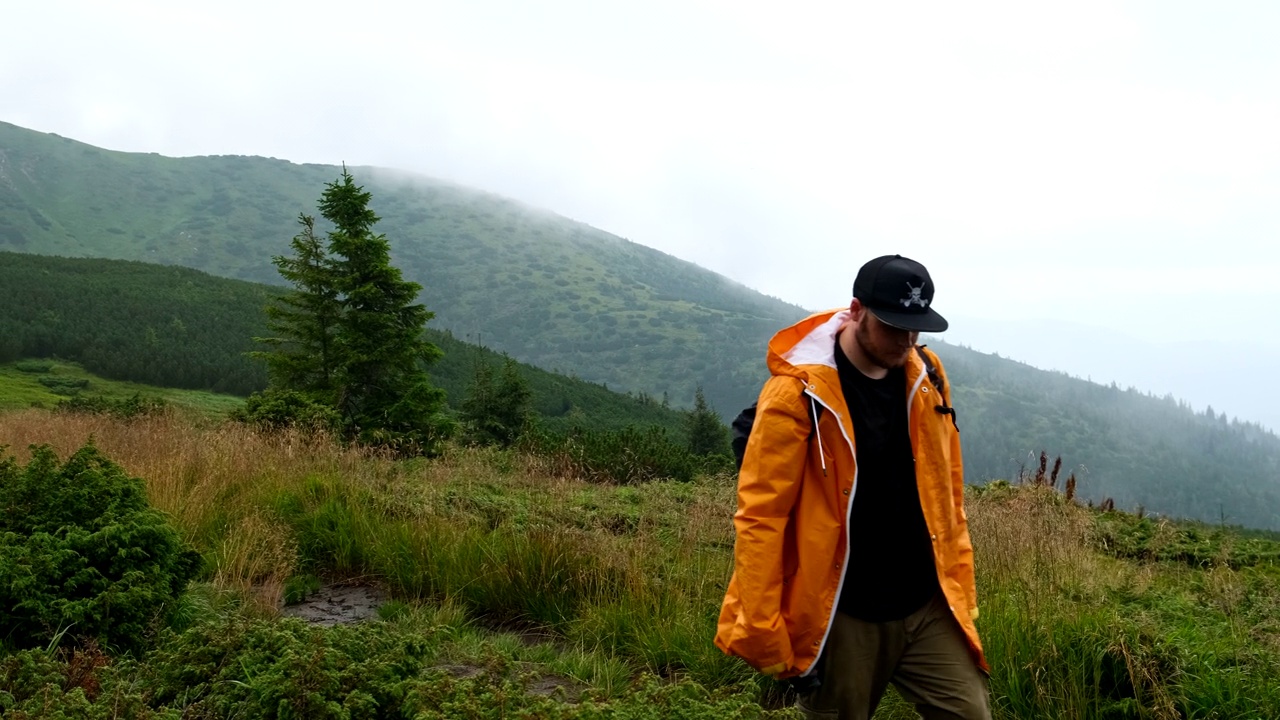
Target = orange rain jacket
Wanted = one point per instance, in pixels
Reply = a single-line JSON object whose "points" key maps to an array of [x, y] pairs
{"points": [[794, 495]]}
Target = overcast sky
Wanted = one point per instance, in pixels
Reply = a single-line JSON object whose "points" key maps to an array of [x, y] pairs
{"points": [[1112, 165]]}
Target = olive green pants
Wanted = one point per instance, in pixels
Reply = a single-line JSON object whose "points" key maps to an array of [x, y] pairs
{"points": [[925, 656]]}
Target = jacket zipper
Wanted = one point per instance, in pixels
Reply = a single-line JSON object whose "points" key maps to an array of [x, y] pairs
{"points": [[911, 397], [835, 603], [848, 511]]}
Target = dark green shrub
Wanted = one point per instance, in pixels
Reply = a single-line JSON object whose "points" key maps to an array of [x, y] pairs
{"points": [[83, 684], [27, 675], [34, 366], [278, 409], [497, 410], [286, 669], [63, 385], [1148, 539], [630, 455], [134, 406], [488, 695], [81, 551], [418, 423]]}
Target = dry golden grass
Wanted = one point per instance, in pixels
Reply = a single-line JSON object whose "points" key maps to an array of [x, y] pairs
{"points": [[1034, 539], [256, 556], [217, 483], [212, 480], [192, 470]]}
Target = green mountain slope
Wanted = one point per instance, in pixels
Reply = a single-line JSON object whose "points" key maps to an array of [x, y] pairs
{"points": [[45, 383], [547, 290], [1137, 449], [567, 297], [182, 328]]}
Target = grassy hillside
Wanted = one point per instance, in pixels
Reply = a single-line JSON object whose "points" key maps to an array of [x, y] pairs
{"points": [[520, 591], [566, 297], [548, 290], [178, 327], [45, 383]]}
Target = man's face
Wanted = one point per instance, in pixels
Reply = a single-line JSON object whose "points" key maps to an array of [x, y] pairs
{"points": [[884, 345]]}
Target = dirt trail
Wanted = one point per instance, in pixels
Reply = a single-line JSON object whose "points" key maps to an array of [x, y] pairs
{"points": [[338, 604]]}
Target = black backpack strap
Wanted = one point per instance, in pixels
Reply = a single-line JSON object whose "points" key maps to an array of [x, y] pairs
{"points": [[740, 428], [943, 408]]}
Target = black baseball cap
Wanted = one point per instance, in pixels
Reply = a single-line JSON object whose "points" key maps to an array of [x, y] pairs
{"points": [[899, 292]]}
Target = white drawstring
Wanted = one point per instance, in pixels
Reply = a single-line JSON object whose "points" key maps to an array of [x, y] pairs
{"points": [[822, 457]]}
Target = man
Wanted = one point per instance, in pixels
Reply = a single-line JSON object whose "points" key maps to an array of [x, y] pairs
{"points": [[852, 565]]}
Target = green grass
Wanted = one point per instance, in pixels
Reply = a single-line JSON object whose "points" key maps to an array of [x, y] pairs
{"points": [[24, 389], [496, 565], [426, 662]]}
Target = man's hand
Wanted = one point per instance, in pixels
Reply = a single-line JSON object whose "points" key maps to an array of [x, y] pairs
{"points": [[773, 670]]}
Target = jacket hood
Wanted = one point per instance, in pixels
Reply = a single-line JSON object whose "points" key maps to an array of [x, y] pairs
{"points": [[800, 350], [812, 341]]}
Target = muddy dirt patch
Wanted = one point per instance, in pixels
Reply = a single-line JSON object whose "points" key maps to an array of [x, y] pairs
{"points": [[558, 687], [338, 604], [462, 672]]}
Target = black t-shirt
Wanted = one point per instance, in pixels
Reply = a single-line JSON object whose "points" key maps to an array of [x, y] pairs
{"points": [[890, 572]]}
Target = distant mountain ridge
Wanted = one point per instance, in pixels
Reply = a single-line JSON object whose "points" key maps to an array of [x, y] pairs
{"points": [[548, 290], [567, 297], [1205, 369]]}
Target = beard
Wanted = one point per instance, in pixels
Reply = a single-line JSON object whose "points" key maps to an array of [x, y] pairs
{"points": [[887, 355]]}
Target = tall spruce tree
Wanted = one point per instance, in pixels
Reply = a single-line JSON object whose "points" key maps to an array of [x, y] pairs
{"points": [[707, 434], [350, 334], [304, 353], [498, 410]]}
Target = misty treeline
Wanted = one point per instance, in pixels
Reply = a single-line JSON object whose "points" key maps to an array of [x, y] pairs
{"points": [[553, 292], [136, 321], [1140, 450], [177, 327], [167, 326]]}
